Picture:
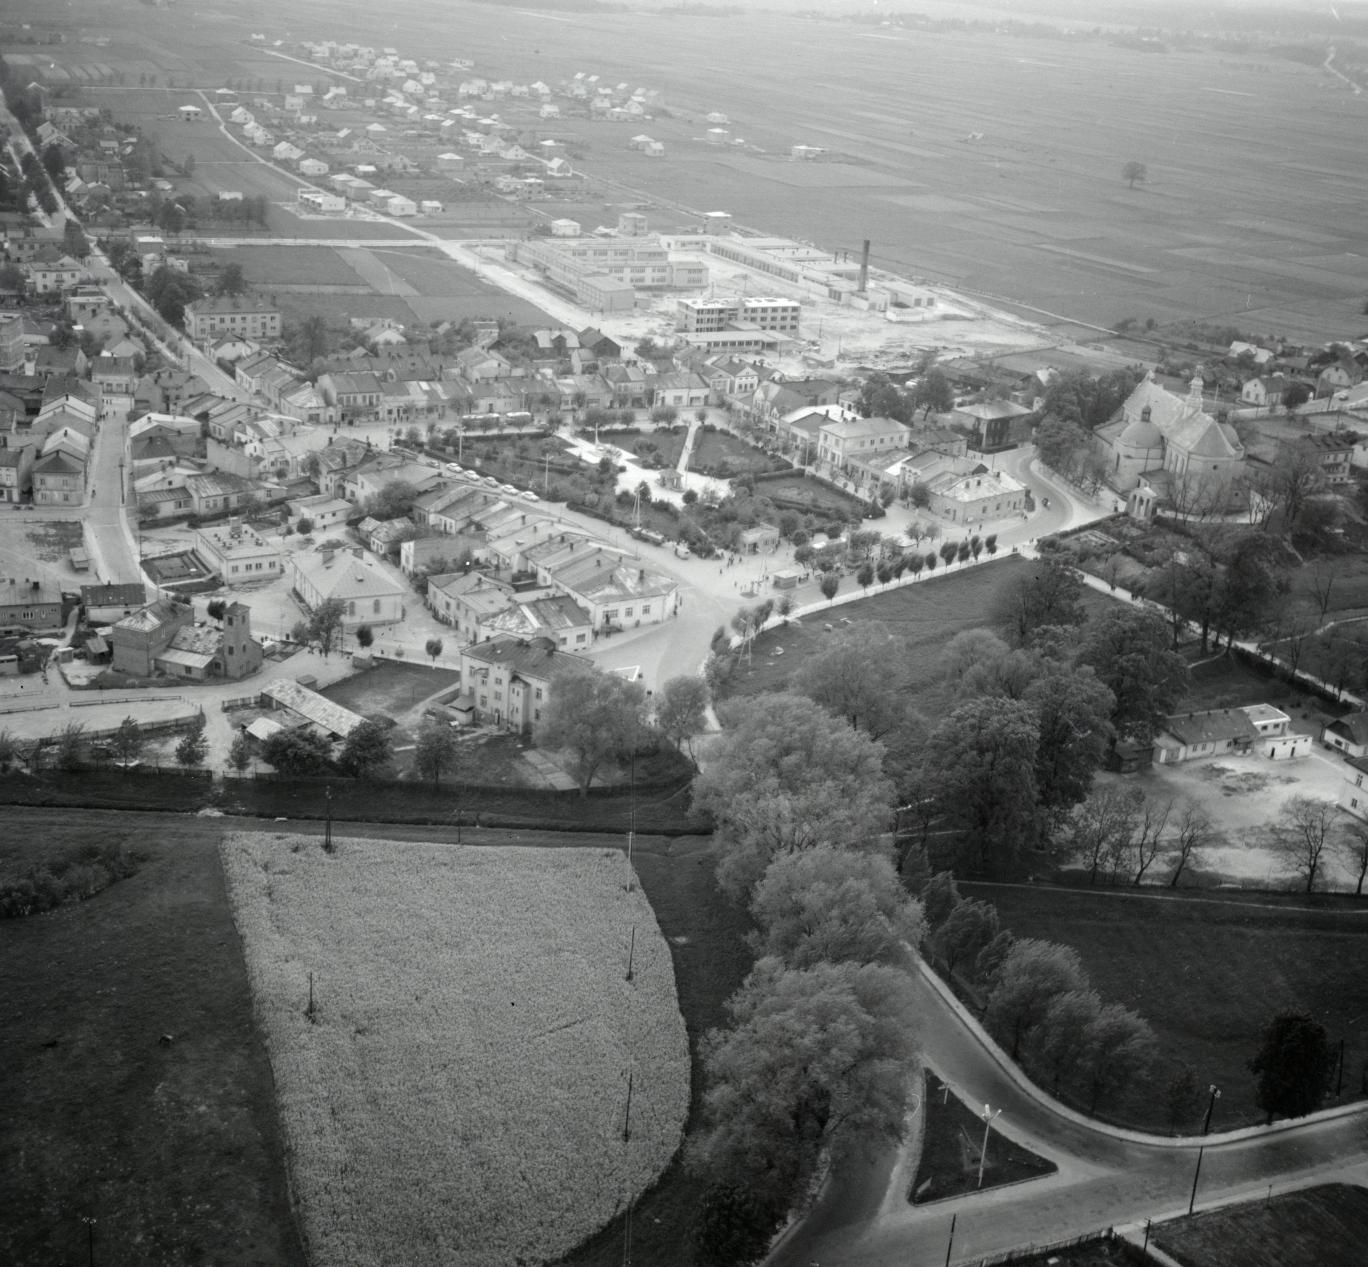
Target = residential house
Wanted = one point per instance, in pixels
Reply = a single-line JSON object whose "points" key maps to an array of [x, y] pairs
{"points": [[138, 639], [211, 318], [163, 640], [16, 473], [511, 680], [353, 395], [54, 276], [993, 425], [105, 604], [383, 536], [1341, 373], [215, 493], [1257, 728], [58, 480], [616, 590], [114, 378], [840, 440], [322, 512], [1347, 734], [29, 604], [978, 496], [1353, 795], [369, 596]]}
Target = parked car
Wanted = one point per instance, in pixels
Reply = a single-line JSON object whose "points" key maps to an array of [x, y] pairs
{"points": [[682, 551]]}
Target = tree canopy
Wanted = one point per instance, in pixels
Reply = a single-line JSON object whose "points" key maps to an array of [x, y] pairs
{"points": [[785, 775], [980, 767], [1293, 1066], [1129, 652], [829, 905], [596, 715], [816, 1058], [859, 673]]}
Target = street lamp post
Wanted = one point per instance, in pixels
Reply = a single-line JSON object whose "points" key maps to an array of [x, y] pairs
{"points": [[1196, 1174], [988, 1117], [1211, 1104]]}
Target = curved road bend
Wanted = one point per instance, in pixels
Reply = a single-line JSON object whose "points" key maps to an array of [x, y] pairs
{"points": [[1103, 1180]]}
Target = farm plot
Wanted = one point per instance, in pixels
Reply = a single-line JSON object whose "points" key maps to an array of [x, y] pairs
{"points": [[471, 1047], [1325, 1226], [438, 289], [172, 1147]]}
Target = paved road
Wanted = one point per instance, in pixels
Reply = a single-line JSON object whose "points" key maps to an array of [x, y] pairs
{"points": [[109, 534], [1103, 1180]]}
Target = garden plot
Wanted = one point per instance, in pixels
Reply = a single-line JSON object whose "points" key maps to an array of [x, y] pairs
{"points": [[460, 1094]]}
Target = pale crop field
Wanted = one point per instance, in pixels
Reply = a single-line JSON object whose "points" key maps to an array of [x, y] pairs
{"points": [[459, 1097]]}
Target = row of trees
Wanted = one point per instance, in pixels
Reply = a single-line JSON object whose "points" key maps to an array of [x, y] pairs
{"points": [[1040, 1005], [818, 1057]]}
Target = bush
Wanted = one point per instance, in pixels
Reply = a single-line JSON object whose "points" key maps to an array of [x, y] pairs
{"points": [[76, 879]]}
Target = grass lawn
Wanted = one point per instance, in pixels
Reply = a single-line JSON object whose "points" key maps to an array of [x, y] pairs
{"points": [[173, 1149], [927, 614], [797, 492], [716, 453], [1208, 972], [1316, 1227], [951, 1140], [460, 1095], [389, 686]]}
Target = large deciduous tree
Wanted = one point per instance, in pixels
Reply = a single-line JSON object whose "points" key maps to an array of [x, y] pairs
{"points": [[682, 712], [829, 905], [980, 770], [1129, 652], [965, 932], [296, 752], [325, 624], [366, 753], [392, 501], [596, 715], [1051, 595], [817, 1059], [1032, 976], [784, 776], [1118, 1047], [1293, 1066], [1073, 712], [434, 751], [859, 673]]}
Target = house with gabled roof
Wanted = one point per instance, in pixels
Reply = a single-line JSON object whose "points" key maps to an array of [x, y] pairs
{"points": [[511, 680], [368, 594]]}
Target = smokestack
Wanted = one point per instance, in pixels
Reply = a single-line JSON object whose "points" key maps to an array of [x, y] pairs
{"points": [[864, 267]]}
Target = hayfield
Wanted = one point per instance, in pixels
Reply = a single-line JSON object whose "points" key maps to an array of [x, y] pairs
{"points": [[461, 1094]]}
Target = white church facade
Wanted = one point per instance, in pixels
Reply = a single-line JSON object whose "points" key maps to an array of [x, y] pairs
{"points": [[1168, 443]]}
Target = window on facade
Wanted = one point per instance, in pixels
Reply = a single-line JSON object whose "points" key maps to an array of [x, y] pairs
{"points": [[537, 694]]}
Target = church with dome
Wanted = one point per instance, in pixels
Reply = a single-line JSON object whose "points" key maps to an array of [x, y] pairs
{"points": [[1169, 444]]}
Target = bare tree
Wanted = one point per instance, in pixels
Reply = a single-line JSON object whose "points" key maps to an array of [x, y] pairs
{"points": [[1102, 827], [1353, 849], [1194, 832], [1302, 835], [1144, 844]]}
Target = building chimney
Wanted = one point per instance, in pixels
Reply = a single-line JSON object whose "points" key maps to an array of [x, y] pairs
{"points": [[864, 267]]}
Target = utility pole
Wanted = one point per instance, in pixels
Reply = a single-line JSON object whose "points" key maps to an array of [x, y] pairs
{"points": [[327, 823]]}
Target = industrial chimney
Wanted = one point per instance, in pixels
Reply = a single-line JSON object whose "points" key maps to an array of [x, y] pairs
{"points": [[864, 267]]}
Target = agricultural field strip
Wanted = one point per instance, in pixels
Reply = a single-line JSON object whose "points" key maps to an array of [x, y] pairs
{"points": [[454, 1129]]}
